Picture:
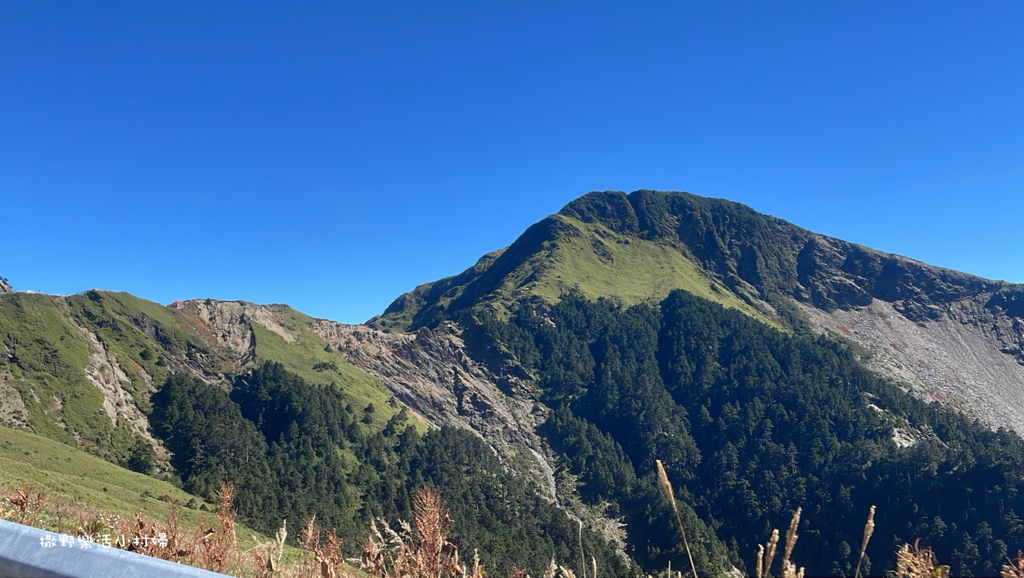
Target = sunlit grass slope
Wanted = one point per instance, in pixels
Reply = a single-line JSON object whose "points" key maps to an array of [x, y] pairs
{"points": [[61, 470], [602, 263], [599, 262], [561, 254], [46, 357], [310, 357], [142, 334]]}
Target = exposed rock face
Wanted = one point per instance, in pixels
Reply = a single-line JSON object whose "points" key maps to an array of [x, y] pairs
{"points": [[105, 373], [430, 373], [13, 412], [966, 354], [225, 326], [5, 286], [229, 320]]}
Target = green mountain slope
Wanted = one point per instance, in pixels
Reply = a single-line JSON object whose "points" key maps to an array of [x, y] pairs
{"points": [[639, 246], [43, 373], [61, 470], [753, 421], [623, 330], [246, 393], [309, 357], [562, 254], [83, 370], [75, 367]]}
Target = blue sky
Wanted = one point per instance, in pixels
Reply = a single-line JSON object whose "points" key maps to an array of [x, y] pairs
{"points": [[333, 155]]}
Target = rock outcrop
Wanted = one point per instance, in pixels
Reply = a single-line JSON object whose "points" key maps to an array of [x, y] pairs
{"points": [[430, 373], [964, 355]]}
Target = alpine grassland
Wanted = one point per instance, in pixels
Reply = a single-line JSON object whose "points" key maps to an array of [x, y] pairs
{"points": [[562, 254], [62, 472], [310, 357], [599, 262], [46, 359], [144, 336]]}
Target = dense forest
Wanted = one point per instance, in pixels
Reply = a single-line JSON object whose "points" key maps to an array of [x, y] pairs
{"points": [[751, 423], [294, 450]]}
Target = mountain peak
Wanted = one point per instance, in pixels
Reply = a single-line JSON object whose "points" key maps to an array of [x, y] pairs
{"points": [[610, 208], [617, 245]]}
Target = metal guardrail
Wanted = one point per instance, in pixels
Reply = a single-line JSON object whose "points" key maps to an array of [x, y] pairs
{"points": [[27, 552]]}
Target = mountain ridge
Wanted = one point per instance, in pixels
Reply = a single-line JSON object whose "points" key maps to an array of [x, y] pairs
{"points": [[748, 250], [771, 270], [509, 351]]}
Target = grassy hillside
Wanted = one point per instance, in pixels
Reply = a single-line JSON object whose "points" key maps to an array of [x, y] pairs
{"points": [[145, 337], [562, 254], [72, 479], [603, 263], [61, 470], [310, 357], [43, 372], [46, 359], [641, 246]]}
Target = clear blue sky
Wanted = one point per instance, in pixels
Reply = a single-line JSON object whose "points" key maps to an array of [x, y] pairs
{"points": [[333, 155]]}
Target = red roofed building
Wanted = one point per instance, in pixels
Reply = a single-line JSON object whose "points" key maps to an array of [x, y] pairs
{"points": [[177, 305]]}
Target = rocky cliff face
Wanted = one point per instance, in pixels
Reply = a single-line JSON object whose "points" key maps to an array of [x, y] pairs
{"points": [[430, 373], [105, 372], [433, 376], [5, 286]]}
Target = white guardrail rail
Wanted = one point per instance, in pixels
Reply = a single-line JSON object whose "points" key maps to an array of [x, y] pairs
{"points": [[27, 552]]}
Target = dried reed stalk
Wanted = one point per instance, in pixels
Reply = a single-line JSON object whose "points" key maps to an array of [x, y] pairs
{"points": [[791, 536], [583, 557], [1015, 568], [427, 554], [665, 485], [327, 555], [869, 528], [769, 554], [552, 569]]}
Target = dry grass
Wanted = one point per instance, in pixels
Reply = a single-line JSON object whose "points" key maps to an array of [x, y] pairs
{"points": [[1015, 568], [419, 550], [869, 528], [913, 562], [325, 549], [213, 547], [425, 553], [267, 555], [667, 487], [26, 509], [421, 553]]}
